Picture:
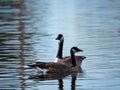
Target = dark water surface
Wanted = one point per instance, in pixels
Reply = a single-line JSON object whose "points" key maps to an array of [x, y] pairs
{"points": [[28, 29]]}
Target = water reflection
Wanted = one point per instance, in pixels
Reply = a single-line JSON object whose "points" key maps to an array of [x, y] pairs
{"points": [[14, 45], [58, 77], [73, 85]]}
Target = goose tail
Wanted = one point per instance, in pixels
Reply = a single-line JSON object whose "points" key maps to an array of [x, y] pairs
{"points": [[32, 65]]}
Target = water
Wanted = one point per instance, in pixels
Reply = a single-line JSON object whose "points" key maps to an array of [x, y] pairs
{"points": [[28, 29]]}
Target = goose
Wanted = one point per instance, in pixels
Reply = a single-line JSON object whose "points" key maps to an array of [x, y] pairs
{"points": [[67, 59], [52, 67]]}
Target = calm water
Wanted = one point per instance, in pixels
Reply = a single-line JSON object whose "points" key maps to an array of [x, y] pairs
{"points": [[28, 29]]}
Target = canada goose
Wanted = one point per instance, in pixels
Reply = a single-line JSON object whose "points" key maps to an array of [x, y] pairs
{"points": [[52, 67], [67, 59]]}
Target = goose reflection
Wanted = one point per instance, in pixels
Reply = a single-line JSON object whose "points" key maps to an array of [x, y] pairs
{"points": [[73, 80], [48, 76], [60, 83], [59, 77]]}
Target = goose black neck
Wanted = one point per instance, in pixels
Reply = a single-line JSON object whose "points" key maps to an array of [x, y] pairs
{"points": [[73, 58], [60, 49]]}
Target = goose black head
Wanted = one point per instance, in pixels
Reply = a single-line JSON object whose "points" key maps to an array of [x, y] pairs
{"points": [[75, 49], [60, 37]]}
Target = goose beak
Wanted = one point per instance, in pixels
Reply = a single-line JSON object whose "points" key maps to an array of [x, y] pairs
{"points": [[79, 50]]}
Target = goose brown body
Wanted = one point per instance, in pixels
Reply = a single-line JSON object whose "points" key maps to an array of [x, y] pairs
{"points": [[78, 59], [52, 67]]}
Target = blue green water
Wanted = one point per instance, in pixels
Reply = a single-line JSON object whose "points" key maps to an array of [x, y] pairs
{"points": [[28, 29]]}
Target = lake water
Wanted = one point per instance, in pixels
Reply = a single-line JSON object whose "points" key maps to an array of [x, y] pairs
{"points": [[28, 29]]}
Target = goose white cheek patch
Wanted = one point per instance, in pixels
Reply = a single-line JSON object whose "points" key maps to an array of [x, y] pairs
{"points": [[62, 38], [74, 50]]}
